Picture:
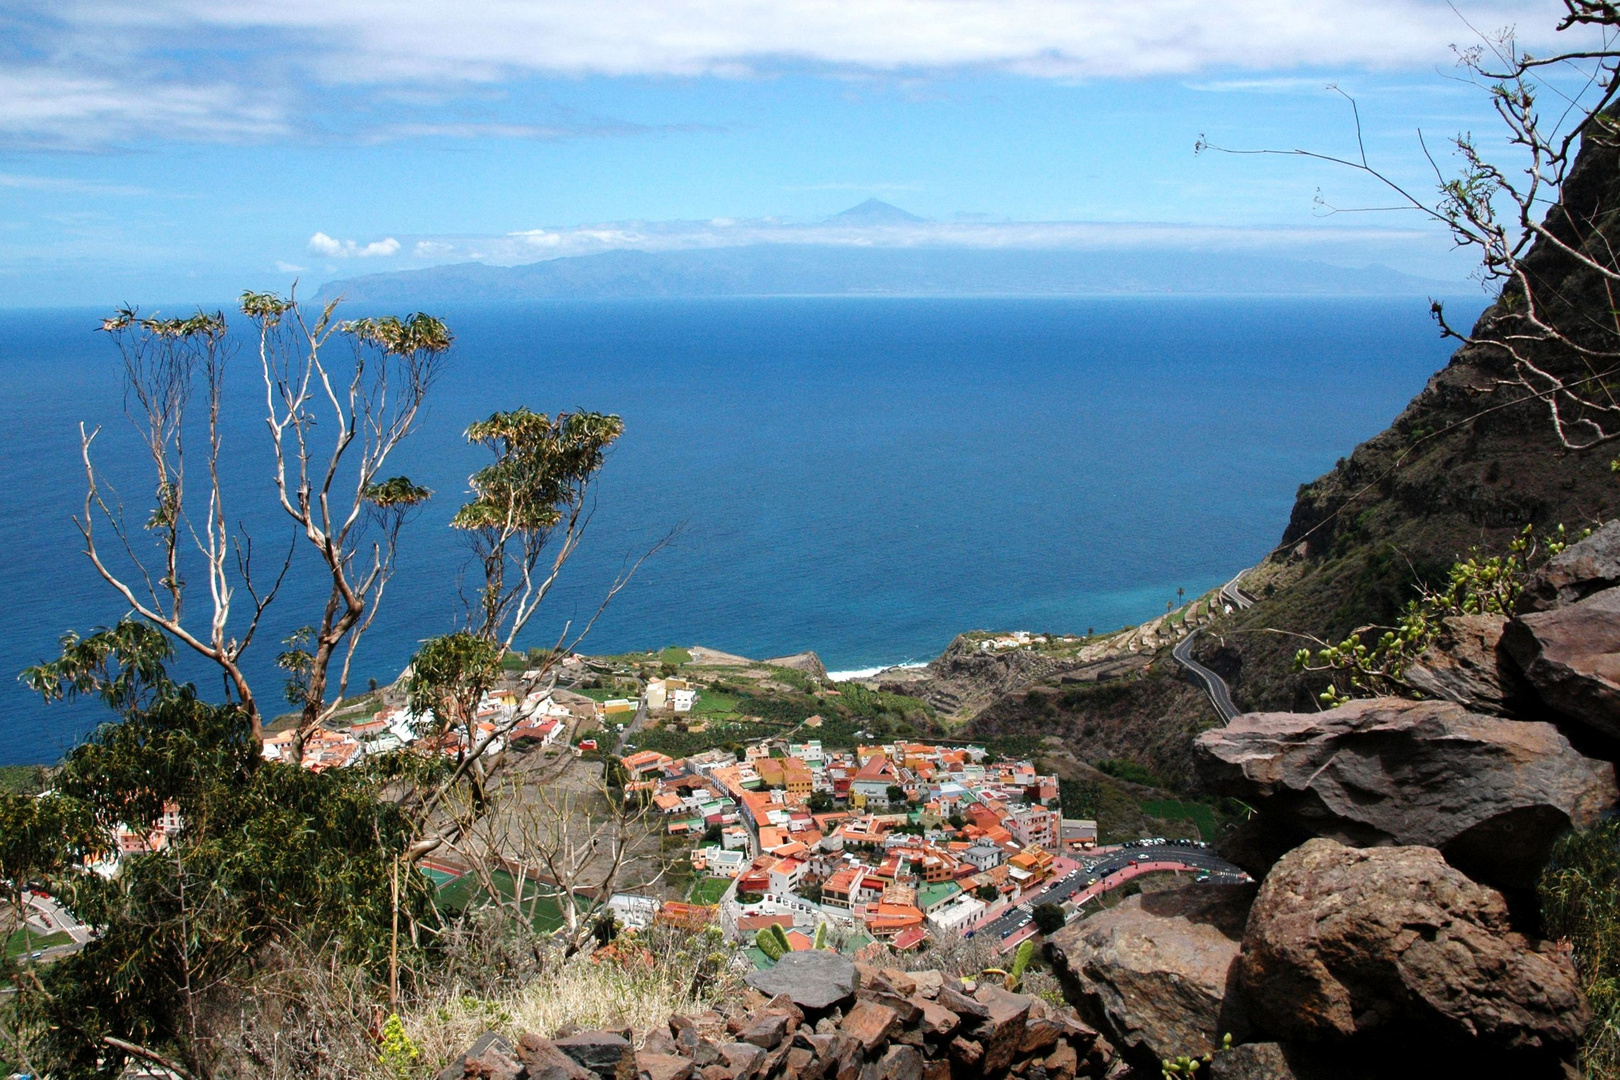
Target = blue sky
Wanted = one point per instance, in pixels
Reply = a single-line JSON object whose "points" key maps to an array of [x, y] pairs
{"points": [[179, 151]]}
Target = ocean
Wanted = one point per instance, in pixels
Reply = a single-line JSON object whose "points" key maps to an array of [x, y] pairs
{"points": [[861, 477]]}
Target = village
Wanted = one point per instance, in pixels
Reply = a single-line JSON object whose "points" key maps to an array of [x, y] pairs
{"points": [[882, 843], [780, 838]]}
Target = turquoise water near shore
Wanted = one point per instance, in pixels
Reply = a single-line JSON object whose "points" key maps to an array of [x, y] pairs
{"points": [[861, 477]]}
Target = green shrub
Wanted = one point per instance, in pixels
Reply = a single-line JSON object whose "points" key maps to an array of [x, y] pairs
{"points": [[1126, 769], [1580, 904]]}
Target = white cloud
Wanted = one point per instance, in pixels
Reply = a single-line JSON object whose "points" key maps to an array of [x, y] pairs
{"points": [[321, 244], [19, 182], [56, 108], [115, 79], [378, 41], [289, 268], [529, 245]]}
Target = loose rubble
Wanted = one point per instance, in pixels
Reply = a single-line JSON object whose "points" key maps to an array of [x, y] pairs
{"points": [[888, 1025]]}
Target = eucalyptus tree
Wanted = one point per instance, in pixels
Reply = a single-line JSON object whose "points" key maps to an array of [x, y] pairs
{"points": [[166, 361], [334, 421], [333, 426], [530, 509]]}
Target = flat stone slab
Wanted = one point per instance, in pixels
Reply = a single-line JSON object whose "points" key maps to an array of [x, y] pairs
{"points": [[815, 979]]}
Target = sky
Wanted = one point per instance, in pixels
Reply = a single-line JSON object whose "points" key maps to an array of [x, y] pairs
{"points": [[180, 151]]}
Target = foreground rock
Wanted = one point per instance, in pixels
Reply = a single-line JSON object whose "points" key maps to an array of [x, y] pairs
{"points": [[1393, 946], [1463, 664], [897, 1026], [1492, 794], [1575, 573], [1569, 658], [1152, 973], [815, 980]]}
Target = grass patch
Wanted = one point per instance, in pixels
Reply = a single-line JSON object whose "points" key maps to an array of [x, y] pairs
{"points": [[1128, 770], [26, 940], [581, 993], [1200, 814], [466, 891], [715, 703], [675, 655], [709, 890], [1580, 903]]}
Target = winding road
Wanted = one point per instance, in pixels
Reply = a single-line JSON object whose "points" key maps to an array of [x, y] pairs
{"points": [[1110, 872], [1219, 693], [1236, 595]]}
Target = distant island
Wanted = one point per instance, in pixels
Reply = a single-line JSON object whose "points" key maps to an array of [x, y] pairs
{"points": [[876, 249]]}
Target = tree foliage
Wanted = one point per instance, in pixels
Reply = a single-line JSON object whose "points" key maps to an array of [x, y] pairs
{"points": [[1372, 661], [264, 851]]}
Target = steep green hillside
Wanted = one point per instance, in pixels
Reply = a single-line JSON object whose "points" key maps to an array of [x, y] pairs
{"points": [[1472, 459]]}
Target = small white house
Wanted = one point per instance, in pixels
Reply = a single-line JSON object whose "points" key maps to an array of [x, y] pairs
{"points": [[634, 912], [721, 862], [951, 917], [682, 700]]}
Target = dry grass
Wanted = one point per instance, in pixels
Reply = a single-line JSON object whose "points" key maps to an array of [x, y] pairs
{"points": [[306, 1016], [581, 992]]}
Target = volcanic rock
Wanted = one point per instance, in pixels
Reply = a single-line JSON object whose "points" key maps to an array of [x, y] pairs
{"points": [[815, 979], [1569, 658], [1575, 573], [1492, 794], [1152, 973], [602, 1052], [1395, 946], [1462, 664]]}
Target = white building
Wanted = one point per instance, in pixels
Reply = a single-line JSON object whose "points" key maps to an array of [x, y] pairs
{"points": [[723, 862], [983, 855], [952, 916], [635, 912]]}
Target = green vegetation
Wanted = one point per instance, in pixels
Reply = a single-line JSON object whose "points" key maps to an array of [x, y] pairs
{"points": [[22, 779], [708, 890], [1580, 904], [675, 655], [1365, 665], [667, 739], [270, 850], [716, 703], [26, 940], [772, 941], [539, 905], [1200, 814], [1128, 770], [1049, 918]]}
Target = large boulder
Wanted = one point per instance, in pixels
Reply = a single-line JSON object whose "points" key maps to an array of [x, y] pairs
{"points": [[1152, 972], [1463, 665], [1392, 945], [1575, 573], [1569, 657], [1492, 794]]}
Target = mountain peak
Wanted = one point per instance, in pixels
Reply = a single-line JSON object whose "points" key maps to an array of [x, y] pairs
{"points": [[874, 212]]}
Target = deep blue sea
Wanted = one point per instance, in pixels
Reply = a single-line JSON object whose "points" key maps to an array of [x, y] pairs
{"points": [[861, 477]]}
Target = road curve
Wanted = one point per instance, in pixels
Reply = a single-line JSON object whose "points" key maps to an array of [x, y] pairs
{"points": [[1017, 923], [1235, 595], [1219, 693]]}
